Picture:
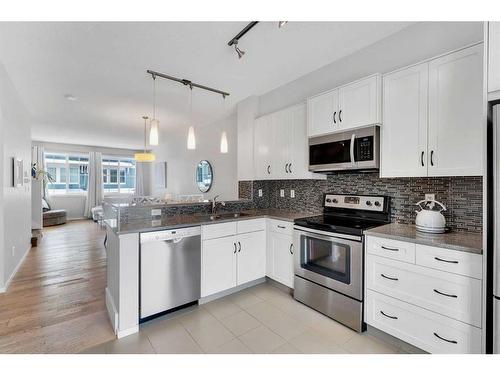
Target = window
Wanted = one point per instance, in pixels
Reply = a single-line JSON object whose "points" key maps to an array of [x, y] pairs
{"points": [[118, 175], [69, 173]]}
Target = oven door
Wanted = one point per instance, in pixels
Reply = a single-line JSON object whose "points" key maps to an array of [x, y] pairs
{"points": [[334, 262]]}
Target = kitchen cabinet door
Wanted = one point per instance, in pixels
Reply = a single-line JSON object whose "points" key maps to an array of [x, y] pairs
{"points": [[251, 256], [456, 120], [494, 59], [360, 103], [403, 146], [263, 137], [322, 113], [218, 265], [282, 137], [281, 258]]}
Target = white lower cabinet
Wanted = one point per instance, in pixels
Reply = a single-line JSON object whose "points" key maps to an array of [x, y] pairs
{"points": [[234, 259], [431, 299], [422, 328], [280, 258]]}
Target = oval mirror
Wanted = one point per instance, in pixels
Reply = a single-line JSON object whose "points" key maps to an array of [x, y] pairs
{"points": [[204, 176]]}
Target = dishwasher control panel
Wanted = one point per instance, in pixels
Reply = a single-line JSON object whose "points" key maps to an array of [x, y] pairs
{"points": [[171, 234]]}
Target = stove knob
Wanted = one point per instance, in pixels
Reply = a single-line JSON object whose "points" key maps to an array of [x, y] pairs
{"points": [[377, 203], [335, 201], [328, 200], [368, 203]]}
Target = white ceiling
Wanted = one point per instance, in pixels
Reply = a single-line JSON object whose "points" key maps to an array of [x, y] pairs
{"points": [[104, 66]]}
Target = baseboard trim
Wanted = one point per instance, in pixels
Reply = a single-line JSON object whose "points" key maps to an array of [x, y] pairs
{"points": [[112, 312], [227, 292], [127, 332], [6, 286]]}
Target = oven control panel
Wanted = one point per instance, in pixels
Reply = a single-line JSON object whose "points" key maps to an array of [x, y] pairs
{"points": [[356, 202]]}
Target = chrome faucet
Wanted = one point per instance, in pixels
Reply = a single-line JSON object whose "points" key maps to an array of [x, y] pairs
{"points": [[214, 204]]}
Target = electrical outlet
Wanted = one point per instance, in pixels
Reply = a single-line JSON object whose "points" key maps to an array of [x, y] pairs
{"points": [[13, 251], [156, 212], [292, 193], [260, 192], [282, 193], [430, 197]]}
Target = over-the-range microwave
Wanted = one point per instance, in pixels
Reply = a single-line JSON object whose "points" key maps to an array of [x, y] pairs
{"points": [[357, 149]]}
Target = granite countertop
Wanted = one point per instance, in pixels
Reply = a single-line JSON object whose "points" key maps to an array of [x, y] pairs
{"points": [[178, 221], [470, 242]]}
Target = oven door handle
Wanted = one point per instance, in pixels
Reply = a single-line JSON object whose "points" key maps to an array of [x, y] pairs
{"points": [[353, 139], [345, 239]]}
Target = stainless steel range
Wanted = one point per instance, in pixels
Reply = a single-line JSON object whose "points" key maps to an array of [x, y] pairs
{"points": [[329, 264]]}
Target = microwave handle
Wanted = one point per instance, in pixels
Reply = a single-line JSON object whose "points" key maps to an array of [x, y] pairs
{"points": [[353, 138]]}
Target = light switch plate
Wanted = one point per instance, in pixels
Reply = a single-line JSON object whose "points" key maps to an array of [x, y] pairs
{"points": [[260, 192], [156, 212], [282, 193], [292, 193]]}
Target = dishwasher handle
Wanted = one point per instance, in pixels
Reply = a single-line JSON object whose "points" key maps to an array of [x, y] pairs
{"points": [[170, 236]]}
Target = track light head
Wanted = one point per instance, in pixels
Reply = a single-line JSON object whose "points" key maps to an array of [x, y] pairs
{"points": [[282, 23], [238, 51]]}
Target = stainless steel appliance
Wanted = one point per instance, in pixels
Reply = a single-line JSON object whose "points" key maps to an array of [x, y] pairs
{"points": [[329, 262], [357, 149], [170, 270]]}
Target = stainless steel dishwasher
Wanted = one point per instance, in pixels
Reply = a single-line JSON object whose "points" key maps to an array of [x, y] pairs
{"points": [[170, 270]]}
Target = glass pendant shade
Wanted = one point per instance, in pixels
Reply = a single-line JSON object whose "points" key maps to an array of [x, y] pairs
{"points": [[153, 132], [191, 141], [144, 157], [223, 143]]}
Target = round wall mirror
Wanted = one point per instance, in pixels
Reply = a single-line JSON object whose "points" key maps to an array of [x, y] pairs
{"points": [[204, 176]]}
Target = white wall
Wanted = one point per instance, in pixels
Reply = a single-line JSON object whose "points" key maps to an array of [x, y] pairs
{"points": [[412, 44], [181, 162], [16, 201], [75, 204]]}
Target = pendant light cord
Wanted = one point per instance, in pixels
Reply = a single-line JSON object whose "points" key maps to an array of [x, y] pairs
{"points": [[154, 97]]}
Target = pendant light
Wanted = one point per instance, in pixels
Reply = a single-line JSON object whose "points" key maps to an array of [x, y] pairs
{"points": [[155, 123], [191, 139], [223, 138], [145, 157]]}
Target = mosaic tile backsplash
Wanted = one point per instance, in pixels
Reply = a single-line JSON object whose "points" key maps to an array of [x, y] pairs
{"points": [[461, 195]]}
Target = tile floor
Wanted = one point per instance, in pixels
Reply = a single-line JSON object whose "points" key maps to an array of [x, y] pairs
{"points": [[261, 319]]}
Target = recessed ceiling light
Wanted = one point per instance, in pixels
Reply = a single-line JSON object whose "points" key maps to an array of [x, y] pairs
{"points": [[282, 23], [70, 97]]}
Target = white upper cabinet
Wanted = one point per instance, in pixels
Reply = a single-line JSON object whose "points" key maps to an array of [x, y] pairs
{"points": [[280, 145], [494, 60], [350, 106], [404, 134], [359, 103], [456, 114], [322, 113], [433, 117]]}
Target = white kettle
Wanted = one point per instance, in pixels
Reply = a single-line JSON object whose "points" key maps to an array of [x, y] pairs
{"points": [[429, 220]]}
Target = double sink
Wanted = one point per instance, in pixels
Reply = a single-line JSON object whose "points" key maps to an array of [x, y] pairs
{"points": [[225, 216]]}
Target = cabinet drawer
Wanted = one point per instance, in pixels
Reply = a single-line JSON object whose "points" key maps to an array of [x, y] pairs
{"points": [[218, 230], [253, 225], [422, 328], [399, 250], [279, 226], [455, 296], [458, 262]]}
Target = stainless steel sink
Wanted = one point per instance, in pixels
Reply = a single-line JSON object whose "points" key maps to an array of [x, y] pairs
{"points": [[229, 215]]}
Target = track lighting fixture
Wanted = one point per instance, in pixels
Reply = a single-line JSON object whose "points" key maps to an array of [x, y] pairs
{"points": [[238, 51], [282, 23]]}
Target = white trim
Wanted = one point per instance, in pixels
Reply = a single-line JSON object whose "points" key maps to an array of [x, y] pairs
{"points": [[227, 292], [6, 286], [127, 332], [112, 313]]}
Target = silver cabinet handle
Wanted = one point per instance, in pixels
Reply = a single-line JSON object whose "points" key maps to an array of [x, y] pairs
{"points": [[286, 168], [334, 114], [422, 159], [432, 158], [446, 261], [234, 252], [239, 247], [291, 247], [340, 118], [281, 227], [441, 338], [268, 169], [389, 278], [388, 316], [389, 248], [290, 168], [445, 294]]}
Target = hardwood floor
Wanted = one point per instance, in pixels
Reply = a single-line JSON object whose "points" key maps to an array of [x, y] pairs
{"points": [[56, 302]]}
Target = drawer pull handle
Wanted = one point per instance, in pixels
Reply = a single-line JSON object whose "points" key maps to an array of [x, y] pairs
{"points": [[281, 227], [444, 294], [389, 248], [446, 261], [388, 316], [450, 341], [389, 278]]}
